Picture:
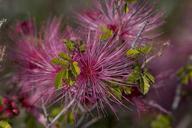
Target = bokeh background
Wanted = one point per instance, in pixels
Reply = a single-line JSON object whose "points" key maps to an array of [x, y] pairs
{"points": [[178, 29]]}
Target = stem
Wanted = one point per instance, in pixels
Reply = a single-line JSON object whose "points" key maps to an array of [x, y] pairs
{"points": [[80, 121], [63, 111], [158, 54], [139, 34], [177, 97], [2, 52], [45, 113], [2, 21], [91, 122]]}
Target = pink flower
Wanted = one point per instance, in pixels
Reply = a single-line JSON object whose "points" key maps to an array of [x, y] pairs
{"points": [[33, 56], [124, 20], [91, 70], [103, 67]]}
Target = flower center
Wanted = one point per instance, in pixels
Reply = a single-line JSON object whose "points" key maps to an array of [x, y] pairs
{"points": [[90, 68]]}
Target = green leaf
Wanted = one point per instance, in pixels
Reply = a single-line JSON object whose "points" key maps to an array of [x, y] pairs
{"points": [[135, 75], [106, 33], [146, 81], [161, 121], [4, 124], [59, 79], [71, 118], [139, 50], [126, 8], [185, 74], [66, 74], [82, 48], [75, 68], [55, 111], [69, 77], [144, 85], [145, 49], [150, 77], [116, 92], [127, 90], [70, 45], [132, 52], [59, 61], [65, 56], [142, 78], [71, 82], [185, 80]]}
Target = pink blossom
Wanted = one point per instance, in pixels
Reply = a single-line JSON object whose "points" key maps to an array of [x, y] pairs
{"points": [[103, 65], [33, 56], [126, 24]]}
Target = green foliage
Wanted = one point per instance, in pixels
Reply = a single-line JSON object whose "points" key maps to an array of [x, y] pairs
{"points": [[140, 75], [116, 91], [59, 79], [65, 120], [132, 52], [185, 74], [59, 61], [55, 111], [71, 118], [145, 49], [70, 45], [126, 8], [69, 72], [143, 78], [161, 121], [64, 56], [75, 68], [4, 124], [82, 47], [136, 52], [127, 90], [106, 33]]}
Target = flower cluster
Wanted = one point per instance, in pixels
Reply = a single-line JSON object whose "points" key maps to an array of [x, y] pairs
{"points": [[103, 66], [123, 19]]}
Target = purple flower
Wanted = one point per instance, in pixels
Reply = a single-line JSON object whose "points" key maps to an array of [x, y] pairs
{"points": [[33, 56], [102, 67], [91, 70], [123, 19]]}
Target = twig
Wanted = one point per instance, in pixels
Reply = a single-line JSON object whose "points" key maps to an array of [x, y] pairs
{"points": [[158, 54], [2, 21], [2, 52], [79, 122], [45, 114], [63, 111], [139, 34], [91, 122], [159, 107], [177, 97]]}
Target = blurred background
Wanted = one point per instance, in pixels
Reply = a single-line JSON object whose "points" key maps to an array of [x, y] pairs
{"points": [[178, 29]]}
